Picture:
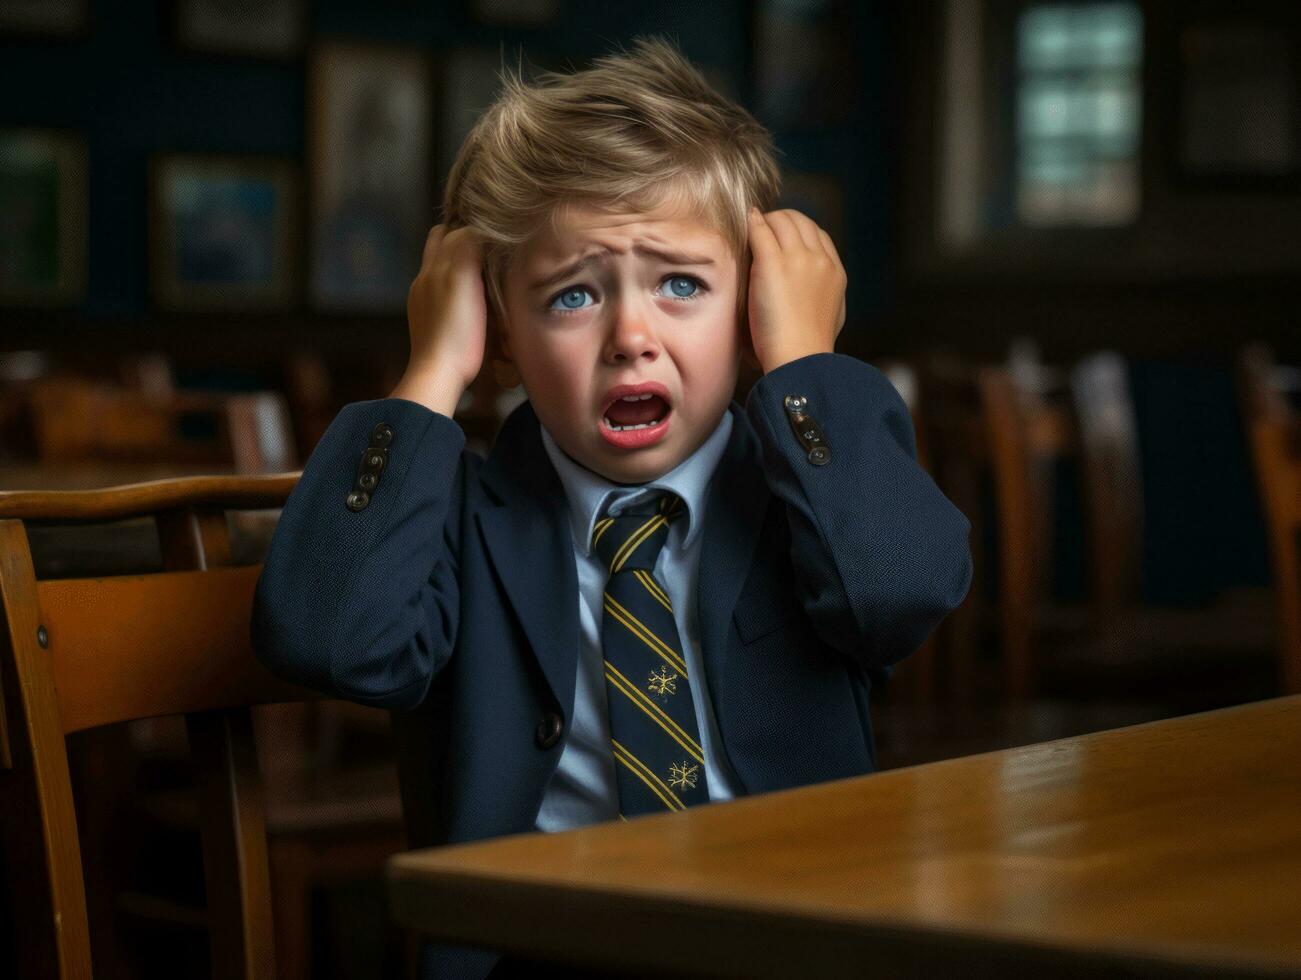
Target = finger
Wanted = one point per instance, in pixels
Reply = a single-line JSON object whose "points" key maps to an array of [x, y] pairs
{"points": [[808, 229], [762, 240], [431, 242], [830, 247], [784, 227]]}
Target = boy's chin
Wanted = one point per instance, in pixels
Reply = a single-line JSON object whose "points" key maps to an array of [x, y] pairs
{"points": [[632, 471]]}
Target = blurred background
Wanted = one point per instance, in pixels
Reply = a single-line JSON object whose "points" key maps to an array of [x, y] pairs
{"points": [[1070, 230]]}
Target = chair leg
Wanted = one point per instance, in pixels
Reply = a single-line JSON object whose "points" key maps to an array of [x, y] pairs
{"points": [[291, 897]]}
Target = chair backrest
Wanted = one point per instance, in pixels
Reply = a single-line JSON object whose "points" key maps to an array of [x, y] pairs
{"points": [[1027, 428], [1274, 431], [1113, 483], [78, 653], [75, 418]]}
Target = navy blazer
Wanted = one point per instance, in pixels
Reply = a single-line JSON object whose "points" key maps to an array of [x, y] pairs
{"points": [[455, 588]]}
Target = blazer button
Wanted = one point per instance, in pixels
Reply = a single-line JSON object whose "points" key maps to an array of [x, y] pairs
{"points": [[549, 729], [381, 435], [358, 500]]}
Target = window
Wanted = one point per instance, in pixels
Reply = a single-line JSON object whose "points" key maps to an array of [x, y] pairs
{"points": [[1078, 113]]}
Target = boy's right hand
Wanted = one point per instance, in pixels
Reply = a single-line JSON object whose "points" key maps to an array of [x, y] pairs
{"points": [[447, 317]]}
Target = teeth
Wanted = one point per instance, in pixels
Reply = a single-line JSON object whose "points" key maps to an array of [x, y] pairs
{"points": [[635, 398], [630, 428]]}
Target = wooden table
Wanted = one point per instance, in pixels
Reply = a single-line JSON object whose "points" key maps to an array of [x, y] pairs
{"points": [[1171, 848]]}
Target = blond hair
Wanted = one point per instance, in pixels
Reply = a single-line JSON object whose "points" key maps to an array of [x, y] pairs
{"points": [[634, 132]]}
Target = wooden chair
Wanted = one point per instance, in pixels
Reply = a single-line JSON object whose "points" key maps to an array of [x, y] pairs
{"points": [[76, 419], [955, 439], [82, 654], [1113, 643], [1274, 430]]}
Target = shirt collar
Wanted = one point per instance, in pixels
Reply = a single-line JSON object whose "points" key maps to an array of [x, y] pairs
{"points": [[588, 492]]}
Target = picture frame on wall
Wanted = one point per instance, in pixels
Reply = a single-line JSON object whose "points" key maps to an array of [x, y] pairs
{"points": [[43, 200], [223, 232], [259, 28], [1238, 123], [469, 80], [47, 18], [369, 148], [803, 53]]}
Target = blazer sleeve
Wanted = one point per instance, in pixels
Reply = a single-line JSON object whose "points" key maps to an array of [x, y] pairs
{"points": [[364, 604], [881, 556]]}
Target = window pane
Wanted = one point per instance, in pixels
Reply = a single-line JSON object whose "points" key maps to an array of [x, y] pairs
{"points": [[1078, 113]]}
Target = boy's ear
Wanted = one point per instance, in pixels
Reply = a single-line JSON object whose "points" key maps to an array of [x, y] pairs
{"points": [[499, 356]]}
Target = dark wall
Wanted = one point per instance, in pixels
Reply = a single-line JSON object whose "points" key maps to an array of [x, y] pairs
{"points": [[128, 88], [132, 93]]}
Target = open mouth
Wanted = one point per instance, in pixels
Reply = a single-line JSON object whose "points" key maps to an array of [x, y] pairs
{"points": [[635, 412], [636, 420]]}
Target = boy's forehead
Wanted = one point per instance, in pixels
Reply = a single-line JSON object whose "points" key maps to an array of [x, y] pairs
{"points": [[580, 228]]}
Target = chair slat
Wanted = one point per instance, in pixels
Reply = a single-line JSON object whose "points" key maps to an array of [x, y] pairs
{"points": [[117, 652]]}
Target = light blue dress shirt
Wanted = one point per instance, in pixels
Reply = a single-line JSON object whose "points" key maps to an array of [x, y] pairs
{"points": [[583, 789]]}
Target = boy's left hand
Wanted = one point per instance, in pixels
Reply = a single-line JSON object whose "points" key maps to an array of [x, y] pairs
{"points": [[797, 288]]}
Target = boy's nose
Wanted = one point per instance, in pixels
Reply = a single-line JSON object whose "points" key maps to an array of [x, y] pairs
{"points": [[631, 337]]}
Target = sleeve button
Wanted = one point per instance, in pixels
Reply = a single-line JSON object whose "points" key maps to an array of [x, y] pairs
{"points": [[367, 481], [357, 500], [382, 435], [819, 455]]}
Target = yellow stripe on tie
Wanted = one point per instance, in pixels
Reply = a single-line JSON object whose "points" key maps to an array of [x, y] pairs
{"points": [[635, 539], [654, 712], [653, 588], [601, 528], [647, 776], [623, 818], [635, 626]]}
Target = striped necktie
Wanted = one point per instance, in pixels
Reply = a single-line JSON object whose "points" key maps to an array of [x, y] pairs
{"points": [[659, 764]]}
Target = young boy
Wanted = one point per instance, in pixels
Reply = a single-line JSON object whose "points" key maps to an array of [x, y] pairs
{"points": [[646, 597]]}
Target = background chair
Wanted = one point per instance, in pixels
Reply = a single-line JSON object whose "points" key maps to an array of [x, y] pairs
{"points": [[1274, 429], [1113, 645]]}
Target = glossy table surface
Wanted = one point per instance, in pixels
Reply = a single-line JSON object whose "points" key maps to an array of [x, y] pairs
{"points": [[1171, 848]]}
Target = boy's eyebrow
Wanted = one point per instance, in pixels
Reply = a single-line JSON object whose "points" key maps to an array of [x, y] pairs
{"points": [[672, 258]]}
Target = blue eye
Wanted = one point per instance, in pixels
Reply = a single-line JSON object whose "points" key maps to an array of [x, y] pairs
{"points": [[683, 289], [575, 294], [675, 281]]}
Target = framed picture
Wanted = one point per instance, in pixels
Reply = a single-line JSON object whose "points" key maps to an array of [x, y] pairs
{"points": [[263, 28], [43, 232], [370, 122], [803, 55], [1239, 92], [223, 232], [43, 17], [468, 82]]}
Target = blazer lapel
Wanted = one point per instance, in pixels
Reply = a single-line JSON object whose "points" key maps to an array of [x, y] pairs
{"points": [[531, 547], [737, 501]]}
